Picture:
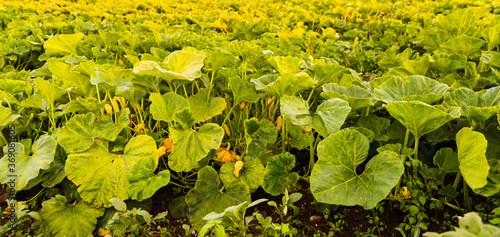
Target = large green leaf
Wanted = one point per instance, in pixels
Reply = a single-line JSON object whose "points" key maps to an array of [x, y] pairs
{"points": [[378, 125], [330, 116], [101, 175], [323, 73], [446, 160], [335, 180], [7, 96], [462, 21], [258, 135], [411, 67], [218, 58], [210, 195], [14, 86], [79, 133], [143, 181], [191, 146], [45, 96], [70, 219], [464, 44], [112, 78], [6, 118], [252, 173], [493, 185], [286, 65], [288, 84], [181, 64], [357, 96], [491, 58], [74, 81], [25, 167], [295, 110], [108, 129], [297, 137], [412, 88], [492, 134], [278, 176], [204, 107], [63, 43], [163, 107], [55, 173], [492, 36], [472, 157], [152, 68], [420, 118], [243, 91], [476, 106], [445, 63], [185, 64]]}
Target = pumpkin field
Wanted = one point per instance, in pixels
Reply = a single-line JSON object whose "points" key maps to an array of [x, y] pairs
{"points": [[249, 118]]}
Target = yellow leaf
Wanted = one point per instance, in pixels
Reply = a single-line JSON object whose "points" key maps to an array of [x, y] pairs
{"points": [[237, 167]]}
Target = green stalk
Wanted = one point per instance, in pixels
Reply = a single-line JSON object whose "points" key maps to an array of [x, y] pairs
{"points": [[450, 205], [180, 185], [211, 83], [227, 116], [310, 94], [311, 154], [52, 120], [243, 70], [415, 173], [457, 179], [185, 92], [407, 134], [99, 97], [283, 135], [416, 148], [466, 196]]}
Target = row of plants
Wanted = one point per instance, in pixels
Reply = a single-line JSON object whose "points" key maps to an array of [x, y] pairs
{"points": [[107, 103]]}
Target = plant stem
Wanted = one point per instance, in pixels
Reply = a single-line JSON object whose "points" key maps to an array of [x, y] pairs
{"points": [[466, 196], [407, 134], [451, 205], [99, 97], [283, 136], [310, 94], [457, 179], [211, 83], [227, 116], [311, 153], [405, 143], [416, 148], [180, 185]]}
